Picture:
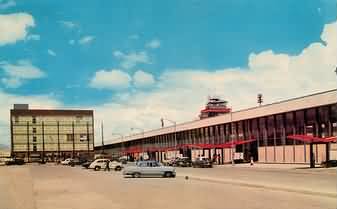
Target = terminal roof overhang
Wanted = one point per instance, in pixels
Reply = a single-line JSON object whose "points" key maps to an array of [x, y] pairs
{"points": [[313, 100]]}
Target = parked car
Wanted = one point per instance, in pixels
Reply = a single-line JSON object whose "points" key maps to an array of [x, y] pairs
{"points": [[67, 161], [87, 164], [202, 162], [149, 168], [99, 164], [183, 162], [77, 161], [14, 161], [170, 162]]}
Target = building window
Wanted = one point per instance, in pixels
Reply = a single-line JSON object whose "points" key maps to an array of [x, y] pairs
{"points": [[16, 119], [34, 148], [83, 137], [34, 130], [70, 137], [34, 119], [78, 119], [34, 138]]}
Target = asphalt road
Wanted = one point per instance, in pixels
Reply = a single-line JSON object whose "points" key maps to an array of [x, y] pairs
{"points": [[60, 187]]}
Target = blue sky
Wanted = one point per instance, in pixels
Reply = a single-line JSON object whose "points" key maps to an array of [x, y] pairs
{"points": [[97, 54]]}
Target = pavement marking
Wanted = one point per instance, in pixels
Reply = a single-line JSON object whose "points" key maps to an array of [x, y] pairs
{"points": [[262, 186]]}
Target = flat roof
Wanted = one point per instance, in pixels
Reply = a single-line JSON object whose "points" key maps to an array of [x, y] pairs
{"points": [[304, 102], [50, 112]]}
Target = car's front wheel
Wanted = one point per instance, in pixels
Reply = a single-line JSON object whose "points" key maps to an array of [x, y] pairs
{"points": [[97, 168], [168, 174], [136, 175], [118, 168]]}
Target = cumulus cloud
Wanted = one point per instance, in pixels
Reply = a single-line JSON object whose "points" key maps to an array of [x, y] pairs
{"points": [[16, 74], [143, 79], [130, 60], [86, 40], [110, 79], [14, 27], [179, 94], [153, 44], [5, 4], [51, 52]]}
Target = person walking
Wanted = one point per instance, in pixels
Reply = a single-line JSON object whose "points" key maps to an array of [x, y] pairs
{"points": [[107, 168]]}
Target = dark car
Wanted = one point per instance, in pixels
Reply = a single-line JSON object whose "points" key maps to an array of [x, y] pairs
{"points": [[78, 161], [87, 164], [15, 161], [202, 162], [183, 162]]}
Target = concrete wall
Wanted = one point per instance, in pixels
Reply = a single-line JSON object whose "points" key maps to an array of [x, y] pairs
{"points": [[294, 153]]}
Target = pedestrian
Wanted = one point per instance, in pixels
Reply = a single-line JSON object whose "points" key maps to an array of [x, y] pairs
{"points": [[107, 168], [219, 159], [251, 160]]}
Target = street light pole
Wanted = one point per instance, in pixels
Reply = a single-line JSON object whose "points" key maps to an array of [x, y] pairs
{"points": [[232, 138], [102, 137], [175, 134], [143, 134], [122, 141]]}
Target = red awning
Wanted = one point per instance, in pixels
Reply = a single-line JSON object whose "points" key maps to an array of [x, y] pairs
{"points": [[312, 139], [188, 146]]}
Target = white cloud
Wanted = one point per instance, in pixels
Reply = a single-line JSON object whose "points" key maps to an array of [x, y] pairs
{"points": [[68, 24], [71, 42], [5, 4], [143, 79], [130, 60], [51, 52], [6, 103], [153, 44], [110, 79], [86, 40], [179, 94], [14, 27], [16, 74], [33, 37]]}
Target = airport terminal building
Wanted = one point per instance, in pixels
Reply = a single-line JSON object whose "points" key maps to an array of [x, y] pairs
{"points": [[49, 135], [290, 131]]}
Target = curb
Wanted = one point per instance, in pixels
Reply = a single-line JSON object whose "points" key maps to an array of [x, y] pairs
{"points": [[261, 186]]}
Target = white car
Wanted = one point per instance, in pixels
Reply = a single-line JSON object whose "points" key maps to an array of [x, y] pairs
{"points": [[149, 168], [99, 164], [67, 161]]}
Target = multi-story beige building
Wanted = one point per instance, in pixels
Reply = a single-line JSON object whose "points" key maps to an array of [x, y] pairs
{"points": [[38, 134]]}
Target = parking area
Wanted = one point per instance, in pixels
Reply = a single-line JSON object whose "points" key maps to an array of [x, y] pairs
{"points": [[59, 187]]}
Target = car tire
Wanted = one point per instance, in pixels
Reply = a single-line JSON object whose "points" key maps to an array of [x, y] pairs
{"points": [[97, 168], [168, 174], [136, 175], [118, 168]]}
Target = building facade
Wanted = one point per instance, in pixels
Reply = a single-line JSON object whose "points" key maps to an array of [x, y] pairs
{"points": [[50, 135], [291, 131]]}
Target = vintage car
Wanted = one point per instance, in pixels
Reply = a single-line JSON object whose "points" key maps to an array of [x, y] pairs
{"points": [[99, 164], [202, 162], [149, 168]]}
